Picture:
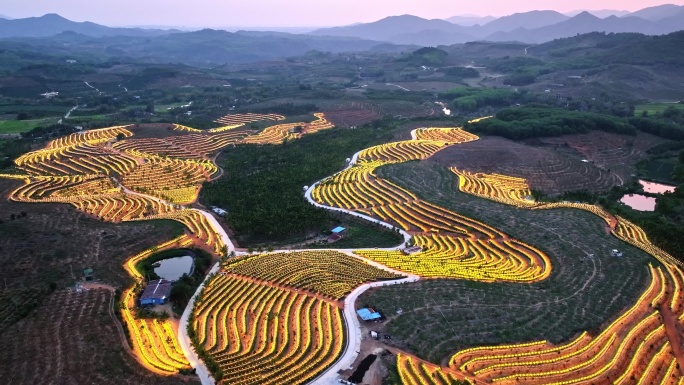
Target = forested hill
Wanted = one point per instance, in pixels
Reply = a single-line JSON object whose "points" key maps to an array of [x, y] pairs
{"points": [[628, 48], [535, 121]]}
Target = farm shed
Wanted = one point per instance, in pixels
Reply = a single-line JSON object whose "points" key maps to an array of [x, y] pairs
{"points": [[219, 211], [157, 292], [88, 274], [368, 314]]}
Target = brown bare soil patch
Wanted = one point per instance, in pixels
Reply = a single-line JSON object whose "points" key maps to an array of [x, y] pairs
{"points": [[618, 153], [353, 114], [545, 169], [74, 341]]}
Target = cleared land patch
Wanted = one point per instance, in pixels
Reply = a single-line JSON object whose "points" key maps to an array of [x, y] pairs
{"points": [[546, 170], [614, 152]]}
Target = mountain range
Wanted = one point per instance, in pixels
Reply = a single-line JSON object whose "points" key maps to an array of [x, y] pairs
{"points": [[528, 27], [53, 24]]}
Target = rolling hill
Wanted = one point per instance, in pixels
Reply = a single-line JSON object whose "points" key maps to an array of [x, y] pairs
{"points": [[53, 24], [585, 22], [528, 27], [405, 29], [469, 21], [658, 12], [531, 20]]}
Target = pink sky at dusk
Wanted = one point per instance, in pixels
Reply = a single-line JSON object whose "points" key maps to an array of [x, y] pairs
{"points": [[289, 13]]}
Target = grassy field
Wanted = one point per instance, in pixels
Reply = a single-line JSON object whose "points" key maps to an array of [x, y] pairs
{"points": [[441, 317], [19, 126], [653, 108]]}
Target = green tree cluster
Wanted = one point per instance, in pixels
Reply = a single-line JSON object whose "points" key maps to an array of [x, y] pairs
{"points": [[262, 186], [539, 121]]}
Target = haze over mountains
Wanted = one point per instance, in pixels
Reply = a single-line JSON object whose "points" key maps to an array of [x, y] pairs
{"points": [[529, 27]]}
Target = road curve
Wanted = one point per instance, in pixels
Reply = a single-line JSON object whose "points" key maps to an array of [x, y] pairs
{"points": [[184, 339], [353, 327]]}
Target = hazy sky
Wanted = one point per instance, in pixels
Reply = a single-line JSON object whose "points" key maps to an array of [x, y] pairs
{"points": [[287, 13]]}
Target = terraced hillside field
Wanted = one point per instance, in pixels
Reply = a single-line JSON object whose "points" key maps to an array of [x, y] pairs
{"points": [[274, 318], [111, 175], [511, 290], [618, 153], [550, 171], [328, 273]]}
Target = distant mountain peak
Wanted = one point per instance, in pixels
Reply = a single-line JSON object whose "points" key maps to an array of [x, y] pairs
{"points": [[53, 16], [586, 15]]}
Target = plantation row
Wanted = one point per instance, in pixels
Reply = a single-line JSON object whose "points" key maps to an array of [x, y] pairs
{"points": [[154, 341], [191, 146], [242, 119], [416, 372], [279, 133], [467, 258], [448, 135], [85, 170], [500, 188], [452, 245], [177, 181], [634, 348], [198, 225], [72, 170], [328, 273], [515, 192], [260, 334]]}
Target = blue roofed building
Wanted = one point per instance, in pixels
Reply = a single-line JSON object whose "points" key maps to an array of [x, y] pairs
{"points": [[368, 314], [157, 292], [338, 230]]}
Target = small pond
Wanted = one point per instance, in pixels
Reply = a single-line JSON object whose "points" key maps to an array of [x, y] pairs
{"points": [[173, 268], [656, 188], [639, 202]]}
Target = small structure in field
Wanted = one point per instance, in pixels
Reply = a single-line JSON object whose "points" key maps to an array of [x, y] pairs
{"points": [[368, 314], [219, 211], [88, 274], [157, 292], [338, 230], [334, 238], [412, 250]]}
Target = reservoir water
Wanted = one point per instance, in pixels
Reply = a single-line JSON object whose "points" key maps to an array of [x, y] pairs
{"points": [[656, 188], [639, 202], [173, 268]]}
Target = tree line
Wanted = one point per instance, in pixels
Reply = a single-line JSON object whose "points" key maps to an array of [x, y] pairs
{"points": [[537, 120]]}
